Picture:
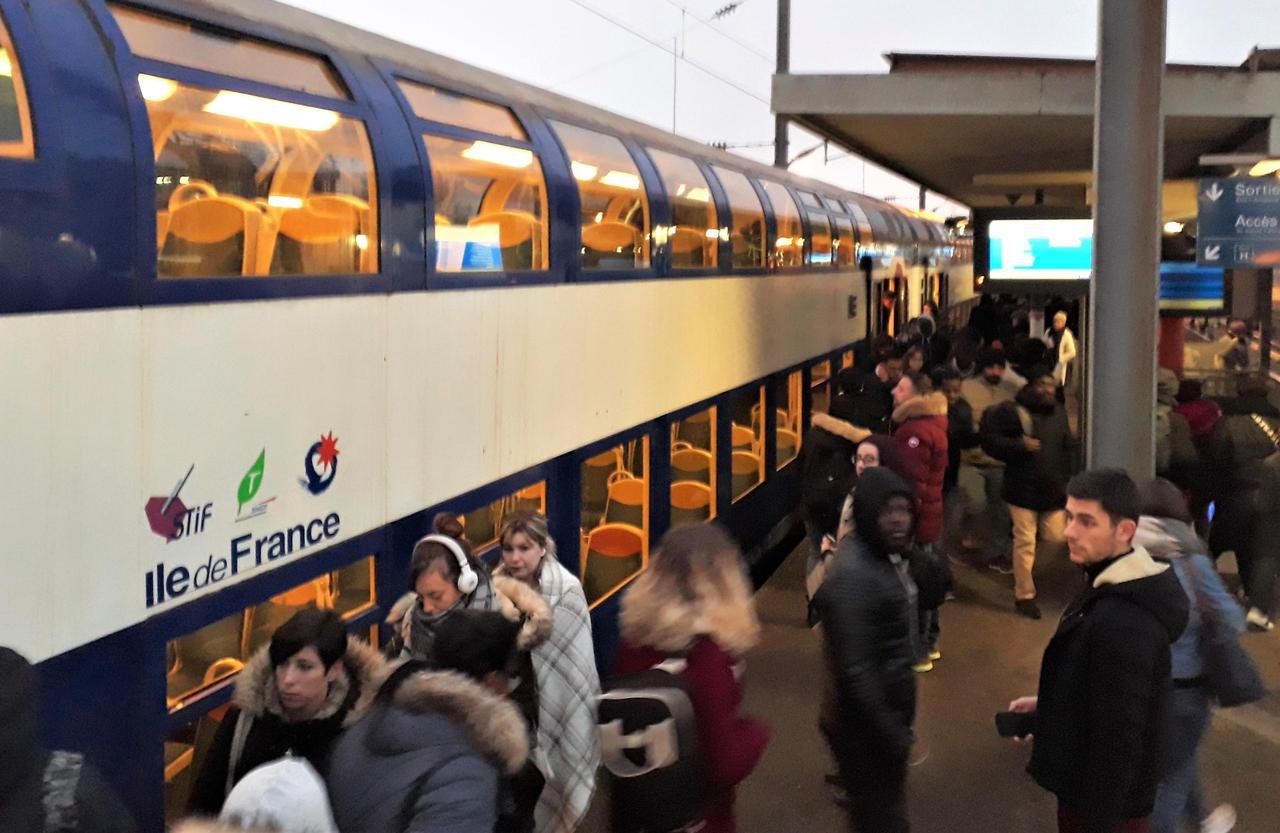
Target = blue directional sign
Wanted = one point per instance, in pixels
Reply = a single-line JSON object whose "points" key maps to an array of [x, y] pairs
{"points": [[1239, 223]]}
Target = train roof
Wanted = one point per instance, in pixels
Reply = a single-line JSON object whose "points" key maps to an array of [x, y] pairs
{"points": [[250, 15]]}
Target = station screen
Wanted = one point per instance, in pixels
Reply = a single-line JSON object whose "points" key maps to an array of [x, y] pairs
{"points": [[1188, 288], [1040, 249]]}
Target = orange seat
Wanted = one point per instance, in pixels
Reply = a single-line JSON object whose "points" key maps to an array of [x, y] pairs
{"points": [[216, 235], [519, 237], [691, 464], [614, 553], [690, 502]]}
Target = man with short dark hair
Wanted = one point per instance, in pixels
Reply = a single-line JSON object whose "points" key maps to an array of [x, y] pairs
{"points": [[872, 393], [1104, 678], [981, 475]]}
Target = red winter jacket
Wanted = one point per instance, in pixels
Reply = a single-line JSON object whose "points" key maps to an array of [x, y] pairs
{"points": [[731, 745], [921, 436]]}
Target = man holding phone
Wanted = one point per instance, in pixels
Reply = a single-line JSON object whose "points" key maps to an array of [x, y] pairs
{"points": [[1105, 674]]}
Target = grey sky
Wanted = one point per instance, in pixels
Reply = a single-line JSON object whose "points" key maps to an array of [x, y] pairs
{"points": [[564, 46]]}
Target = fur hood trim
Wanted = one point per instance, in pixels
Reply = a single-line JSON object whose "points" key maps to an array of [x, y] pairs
{"points": [[931, 404], [852, 433], [517, 599], [654, 617], [1137, 564], [256, 686], [493, 723]]}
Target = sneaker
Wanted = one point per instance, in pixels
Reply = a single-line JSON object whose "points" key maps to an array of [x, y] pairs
{"points": [[922, 667], [934, 654], [1027, 608], [1259, 621], [1221, 820]]}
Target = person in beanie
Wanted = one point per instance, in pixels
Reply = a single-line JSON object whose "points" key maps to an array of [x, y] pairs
{"points": [[287, 795], [1104, 679], [39, 790], [868, 607]]}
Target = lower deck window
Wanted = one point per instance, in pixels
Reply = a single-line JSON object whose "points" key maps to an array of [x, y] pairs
{"points": [[615, 517]]}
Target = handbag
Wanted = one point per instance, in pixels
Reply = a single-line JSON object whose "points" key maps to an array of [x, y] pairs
{"points": [[1231, 675]]}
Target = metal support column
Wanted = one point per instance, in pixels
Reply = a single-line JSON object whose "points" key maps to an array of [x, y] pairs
{"points": [[1128, 156], [780, 149], [1266, 279]]}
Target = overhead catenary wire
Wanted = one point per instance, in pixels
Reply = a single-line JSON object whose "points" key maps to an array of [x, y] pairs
{"points": [[656, 44], [768, 59]]}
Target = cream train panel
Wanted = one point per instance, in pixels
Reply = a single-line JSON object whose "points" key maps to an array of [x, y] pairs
{"points": [[160, 455]]}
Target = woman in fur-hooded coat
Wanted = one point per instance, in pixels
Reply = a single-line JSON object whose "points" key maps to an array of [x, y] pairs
{"points": [[695, 602], [268, 735]]}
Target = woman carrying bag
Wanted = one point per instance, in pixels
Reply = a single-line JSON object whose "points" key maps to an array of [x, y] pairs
{"points": [[1208, 662]]}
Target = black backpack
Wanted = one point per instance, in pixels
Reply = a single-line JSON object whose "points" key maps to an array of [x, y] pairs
{"points": [[649, 746]]}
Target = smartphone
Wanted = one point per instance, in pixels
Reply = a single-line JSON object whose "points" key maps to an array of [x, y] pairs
{"points": [[1015, 724]]}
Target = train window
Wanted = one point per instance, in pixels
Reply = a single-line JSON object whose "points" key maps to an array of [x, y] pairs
{"points": [[845, 243], [747, 230], [810, 200], [483, 523], [218, 650], [15, 116], [438, 105], [695, 235], [820, 233], [187, 44], [787, 401], [820, 385], [788, 246], [614, 209], [693, 468], [846, 360], [615, 518], [252, 186], [490, 206], [747, 439]]}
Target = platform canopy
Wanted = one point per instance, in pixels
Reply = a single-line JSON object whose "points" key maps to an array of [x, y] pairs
{"points": [[992, 131]]}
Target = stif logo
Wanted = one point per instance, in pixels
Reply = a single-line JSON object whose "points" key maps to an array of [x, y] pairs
{"points": [[321, 464], [170, 518]]}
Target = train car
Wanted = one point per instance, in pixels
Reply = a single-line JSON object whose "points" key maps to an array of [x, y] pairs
{"points": [[274, 291]]}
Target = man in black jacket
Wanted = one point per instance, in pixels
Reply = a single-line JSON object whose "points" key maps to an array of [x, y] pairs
{"points": [[1105, 674], [867, 605], [872, 392], [1032, 438]]}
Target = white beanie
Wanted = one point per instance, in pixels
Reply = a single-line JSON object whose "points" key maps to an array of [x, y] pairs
{"points": [[287, 795]]}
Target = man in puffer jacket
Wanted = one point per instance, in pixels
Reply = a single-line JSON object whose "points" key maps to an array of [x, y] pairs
{"points": [[433, 751], [1032, 438], [867, 605]]}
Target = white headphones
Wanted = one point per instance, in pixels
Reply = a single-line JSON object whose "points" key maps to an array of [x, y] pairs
{"points": [[467, 581]]}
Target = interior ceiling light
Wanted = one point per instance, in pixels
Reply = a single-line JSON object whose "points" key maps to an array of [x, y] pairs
{"points": [[1173, 227], [1265, 168], [699, 195], [6, 63], [621, 179], [155, 88], [283, 201], [271, 111], [583, 172], [503, 155]]}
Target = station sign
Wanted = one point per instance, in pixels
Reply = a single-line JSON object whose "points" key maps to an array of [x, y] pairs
{"points": [[1040, 249], [1239, 223]]}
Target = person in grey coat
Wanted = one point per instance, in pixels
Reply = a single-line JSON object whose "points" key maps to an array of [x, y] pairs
{"points": [[435, 752]]}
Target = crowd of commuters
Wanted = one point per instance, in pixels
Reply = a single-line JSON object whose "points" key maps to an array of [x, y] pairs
{"points": [[485, 712]]}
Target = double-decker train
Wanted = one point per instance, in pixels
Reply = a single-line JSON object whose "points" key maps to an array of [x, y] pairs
{"points": [[274, 291]]}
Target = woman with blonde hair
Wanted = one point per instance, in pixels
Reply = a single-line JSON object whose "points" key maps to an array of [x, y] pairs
{"points": [[695, 602], [564, 679]]}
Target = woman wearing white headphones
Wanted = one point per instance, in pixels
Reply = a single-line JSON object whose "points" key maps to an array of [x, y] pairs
{"points": [[443, 577], [567, 750]]}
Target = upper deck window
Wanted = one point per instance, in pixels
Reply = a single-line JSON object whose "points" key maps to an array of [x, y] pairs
{"points": [[746, 232], [789, 244], [15, 117], [614, 208], [810, 200], [187, 44], [434, 104], [695, 236], [845, 242]]}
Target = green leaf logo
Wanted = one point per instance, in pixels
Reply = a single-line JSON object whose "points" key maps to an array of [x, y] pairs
{"points": [[252, 479]]}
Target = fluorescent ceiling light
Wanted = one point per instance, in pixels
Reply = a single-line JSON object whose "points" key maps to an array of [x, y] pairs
{"points": [[621, 179], [271, 111], [281, 201], [583, 172], [155, 88], [504, 155], [713, 234], [698, 195], [1265, 168], [782, 242], [6, 63], [1173, 227], [362, 242]]}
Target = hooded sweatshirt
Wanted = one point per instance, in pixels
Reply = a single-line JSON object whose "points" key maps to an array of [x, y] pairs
{"points": [[287, 795], [23, 764], [867, 605], [1104, 680]]}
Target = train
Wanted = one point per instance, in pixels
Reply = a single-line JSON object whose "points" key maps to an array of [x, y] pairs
{"points": [[274, 291]]}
